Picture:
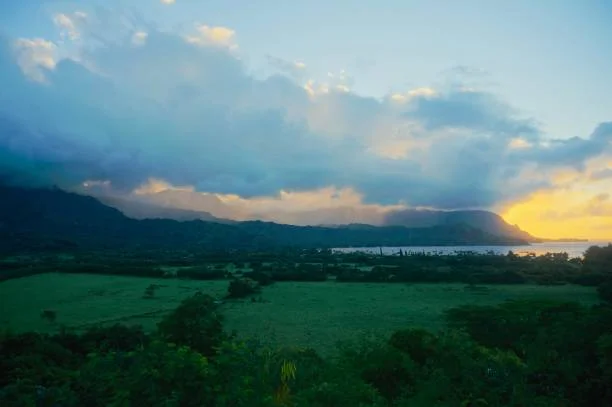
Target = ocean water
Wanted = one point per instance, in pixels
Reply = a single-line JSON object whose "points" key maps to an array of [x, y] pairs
{"points": [[573, 249]]}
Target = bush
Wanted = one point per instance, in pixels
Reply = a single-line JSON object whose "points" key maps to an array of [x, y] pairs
{"points": [[590, 279], [419, 344], [195, 323], [158, 375], [242, 287], [113, 338], [201, 273], [261, 277], [49, 315], [150, 291], [380, 365], [605, 291]]}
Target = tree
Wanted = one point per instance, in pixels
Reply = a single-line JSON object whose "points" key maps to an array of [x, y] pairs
{"points": [[380, 365], [260, 277], [605, 291], [598, 259], [159, 375], [419, 344], [242, 287], [195, 323]]}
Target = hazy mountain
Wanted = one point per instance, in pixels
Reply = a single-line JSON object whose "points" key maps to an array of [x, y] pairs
{"points": [[484, 220], [145, 210], [51, 218], [184, 205]]}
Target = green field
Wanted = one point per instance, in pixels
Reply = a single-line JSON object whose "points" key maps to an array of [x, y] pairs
{"points": [[292, 313]]}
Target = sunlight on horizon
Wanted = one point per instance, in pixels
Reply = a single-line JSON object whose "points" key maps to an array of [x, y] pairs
{"points": [[550, 215]]}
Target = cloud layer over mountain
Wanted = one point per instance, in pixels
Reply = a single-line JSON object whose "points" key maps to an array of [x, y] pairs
{"points": [[122, 104]]}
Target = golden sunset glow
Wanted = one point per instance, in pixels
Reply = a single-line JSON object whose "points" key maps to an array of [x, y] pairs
{"points": [[564, 213]]}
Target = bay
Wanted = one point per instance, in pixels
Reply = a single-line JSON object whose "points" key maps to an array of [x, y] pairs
{"points": [[573, 249]]}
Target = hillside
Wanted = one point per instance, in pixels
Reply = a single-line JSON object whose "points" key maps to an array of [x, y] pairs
{"points": [[36, 219], [145, 210], [486, 221]]}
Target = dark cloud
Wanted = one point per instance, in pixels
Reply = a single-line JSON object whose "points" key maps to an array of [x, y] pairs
{"points": [[192, 115], [572, 152], [478, 111]]}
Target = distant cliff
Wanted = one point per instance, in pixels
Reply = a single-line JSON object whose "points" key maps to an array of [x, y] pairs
{"points": [[486, 221]]}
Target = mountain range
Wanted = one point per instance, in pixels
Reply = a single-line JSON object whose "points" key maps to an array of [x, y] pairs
{"points": [[36, 219], [486, 221]]}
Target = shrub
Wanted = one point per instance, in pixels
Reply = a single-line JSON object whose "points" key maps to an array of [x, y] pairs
{"points": [[150, 291], [242, 287], [261, 277], [194, 323], [381, 366], [49, 315], [112, 338], [419, 344], [158, 375], [201, 273], [605, 291]]}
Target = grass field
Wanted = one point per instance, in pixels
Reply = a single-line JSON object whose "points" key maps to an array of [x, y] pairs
{"points": [[81, 300], [305, 314]]}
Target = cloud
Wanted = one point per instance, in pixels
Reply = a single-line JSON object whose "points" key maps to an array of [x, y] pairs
{"points": [[573, 153], [213, 36], [139, 38], [574, 205], [469, 109], [574, 211], [35, 57], [70, 24], [340, 82], [321, 206], [294, 69], [519, 143], [418, 92], [189, 114], [602, 174], [168, 2]]}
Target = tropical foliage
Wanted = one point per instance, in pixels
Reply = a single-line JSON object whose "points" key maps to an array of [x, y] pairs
{"points": [[529, 353]]}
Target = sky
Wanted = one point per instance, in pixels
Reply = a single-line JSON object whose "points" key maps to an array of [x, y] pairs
{"points": [[312, 112]]}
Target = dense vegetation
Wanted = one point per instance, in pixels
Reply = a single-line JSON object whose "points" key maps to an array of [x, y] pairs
{"points": [[520, 353], [536, 353], [595, 269], [517, 354]]}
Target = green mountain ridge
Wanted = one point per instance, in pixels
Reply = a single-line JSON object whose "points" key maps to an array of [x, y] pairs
{"points": [[48, 219], [487, 221]]}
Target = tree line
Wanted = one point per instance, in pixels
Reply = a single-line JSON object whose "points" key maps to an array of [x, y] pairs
{"points": [[314, 265]]}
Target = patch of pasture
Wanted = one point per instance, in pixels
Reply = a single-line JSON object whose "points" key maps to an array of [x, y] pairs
{"points": [[320, 314], [289, 313], [80, 300]]}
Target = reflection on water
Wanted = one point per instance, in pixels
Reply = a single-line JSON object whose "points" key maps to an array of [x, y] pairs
{"points": [[573, 249]]}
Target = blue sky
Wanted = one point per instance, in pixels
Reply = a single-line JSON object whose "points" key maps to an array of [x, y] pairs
{"points": [[430, 103]]}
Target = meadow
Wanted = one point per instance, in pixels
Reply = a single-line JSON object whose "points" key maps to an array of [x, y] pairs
{"points": [[315, 314]]}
